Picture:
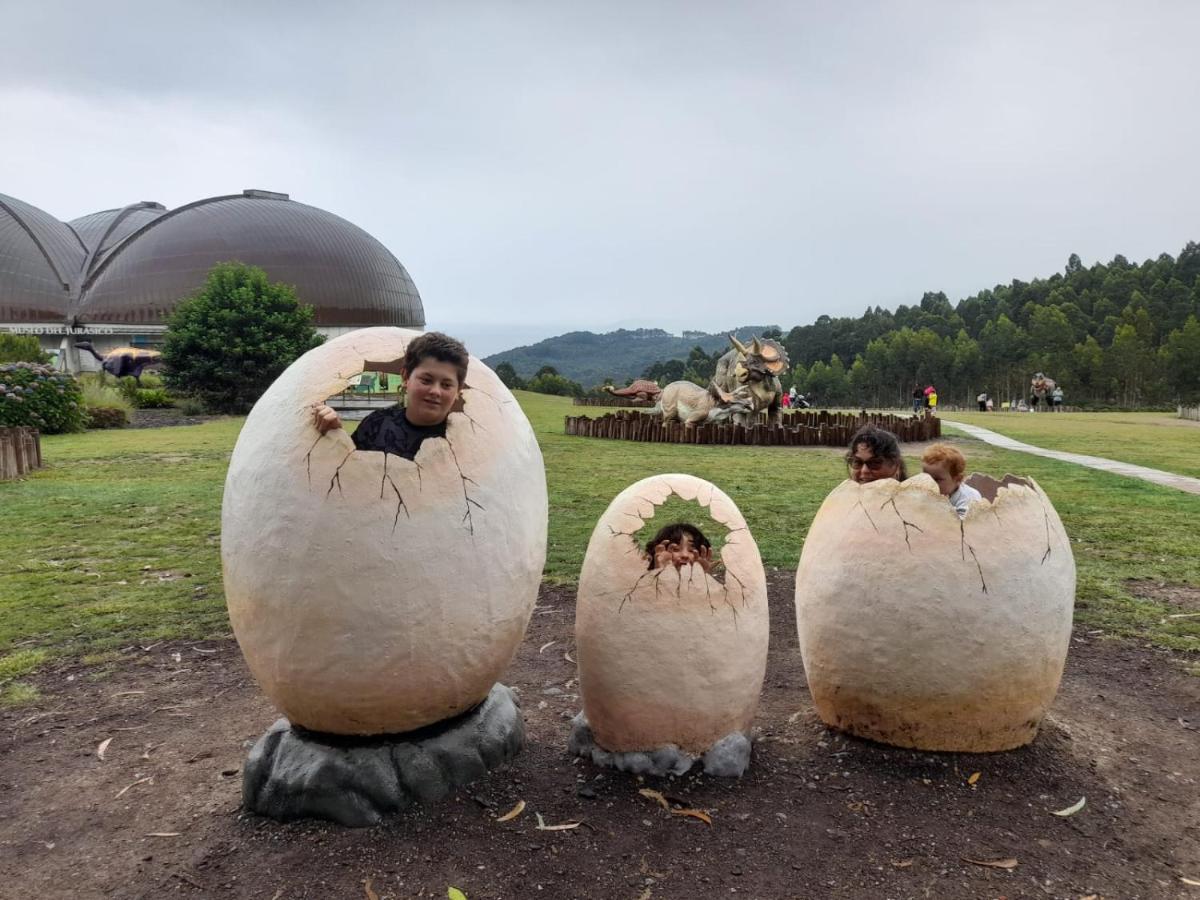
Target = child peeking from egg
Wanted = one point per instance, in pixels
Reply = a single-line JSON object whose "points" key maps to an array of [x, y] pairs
{"points": [[946, 466], [434, 369], [679, 544]]}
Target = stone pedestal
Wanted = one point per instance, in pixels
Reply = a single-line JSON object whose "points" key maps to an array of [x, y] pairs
{"points": [[727, 758], [292, 773]]}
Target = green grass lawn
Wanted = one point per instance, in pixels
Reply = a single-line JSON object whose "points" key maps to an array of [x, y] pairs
{"points": [[1158, 440], [116, 543]]}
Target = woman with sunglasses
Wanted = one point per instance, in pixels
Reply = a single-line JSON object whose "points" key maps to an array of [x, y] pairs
{"points": [[874, 454]]}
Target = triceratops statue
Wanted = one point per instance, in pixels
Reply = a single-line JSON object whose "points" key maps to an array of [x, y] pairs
{"points": [[756, 367]]}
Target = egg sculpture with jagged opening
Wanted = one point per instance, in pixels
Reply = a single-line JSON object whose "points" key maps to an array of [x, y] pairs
{"points": [[671, 660], [372, 594], [924, 630]]}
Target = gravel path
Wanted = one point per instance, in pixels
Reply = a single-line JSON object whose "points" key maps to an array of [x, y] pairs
{"points": [[1158, 476]]}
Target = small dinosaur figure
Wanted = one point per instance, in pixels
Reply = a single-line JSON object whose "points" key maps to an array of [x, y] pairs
{"points": [[637, 390], [123, 360]]}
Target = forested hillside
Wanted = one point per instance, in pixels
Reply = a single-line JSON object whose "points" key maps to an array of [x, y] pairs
{"points": [[1116, 333], [590, 358]]}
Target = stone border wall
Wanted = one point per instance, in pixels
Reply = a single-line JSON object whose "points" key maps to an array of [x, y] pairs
{"points": [[799, 429], [20, 452]]}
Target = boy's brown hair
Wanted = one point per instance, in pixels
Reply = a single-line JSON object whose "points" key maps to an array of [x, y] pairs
{"points": [[441, 347], [950, 457]]}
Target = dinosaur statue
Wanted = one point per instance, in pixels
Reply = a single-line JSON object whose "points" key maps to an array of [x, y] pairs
{"points": [[694, 405], [1041, 388], [123, 360], [758, 368], [637, 390]]}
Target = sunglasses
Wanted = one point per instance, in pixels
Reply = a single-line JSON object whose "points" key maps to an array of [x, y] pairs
{"points": [[875, 463]]}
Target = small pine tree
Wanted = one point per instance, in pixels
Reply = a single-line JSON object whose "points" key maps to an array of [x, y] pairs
{"points": [[228, 343]]}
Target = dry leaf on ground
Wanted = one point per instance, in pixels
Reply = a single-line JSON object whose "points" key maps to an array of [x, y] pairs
{"points": [[694, 813], [566, 826], [371, 895], [656, 796], [513, 813], [901, 863], [1193, 882], [1072, 809], [974, 778], [100, 751], [1008, 863], [135, 784]]}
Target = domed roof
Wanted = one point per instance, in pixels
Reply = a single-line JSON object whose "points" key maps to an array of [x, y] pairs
{"points": [[345, 274], [102, 231], [40, 258]]}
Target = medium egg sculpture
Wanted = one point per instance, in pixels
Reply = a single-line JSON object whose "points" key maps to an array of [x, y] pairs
{"points": [[372, 594], [671, 661], [924, 630]]}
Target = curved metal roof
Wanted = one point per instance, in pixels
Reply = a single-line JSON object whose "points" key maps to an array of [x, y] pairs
{"points": [[345, 274], [102, 231], [40, 259], [133, 265]]}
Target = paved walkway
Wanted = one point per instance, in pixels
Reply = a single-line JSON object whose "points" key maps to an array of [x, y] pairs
{"points": [[1158, 476]]}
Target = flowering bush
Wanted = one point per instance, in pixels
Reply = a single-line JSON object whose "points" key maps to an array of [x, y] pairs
{"points": [[36, 396]]}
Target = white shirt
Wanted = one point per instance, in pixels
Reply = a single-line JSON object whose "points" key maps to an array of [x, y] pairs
{"points": [[962, 497]]}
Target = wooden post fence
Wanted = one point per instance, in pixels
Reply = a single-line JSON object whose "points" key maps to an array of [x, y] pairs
{"points": [[20, 452], [798, 429]]}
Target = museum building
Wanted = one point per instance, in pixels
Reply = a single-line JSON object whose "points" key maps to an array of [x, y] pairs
{"points": [[113, 277]]}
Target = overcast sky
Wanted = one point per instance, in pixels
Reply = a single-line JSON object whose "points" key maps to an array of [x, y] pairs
{"points": [[540, 167]]}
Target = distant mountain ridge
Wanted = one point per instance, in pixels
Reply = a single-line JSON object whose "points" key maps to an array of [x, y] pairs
{"points": [[622, 355]]}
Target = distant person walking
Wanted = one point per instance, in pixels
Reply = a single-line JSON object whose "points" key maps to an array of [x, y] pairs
{"points": [[982, 401], [931, 400], [989, 404], [1056, 396], [918, 399]]}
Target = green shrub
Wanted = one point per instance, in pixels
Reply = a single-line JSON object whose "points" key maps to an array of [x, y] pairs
{"points": [[106, 417], [21, 348], [152, 398], [98, 394], [192, 406], [36, 396], [130, 387]]}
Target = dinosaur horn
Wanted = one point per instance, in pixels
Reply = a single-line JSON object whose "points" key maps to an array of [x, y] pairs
{"points": [[738, 345], [756, 348], [723, 396]]}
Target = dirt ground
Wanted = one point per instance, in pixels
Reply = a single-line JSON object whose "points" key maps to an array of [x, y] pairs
{"points": [[818, 815]]}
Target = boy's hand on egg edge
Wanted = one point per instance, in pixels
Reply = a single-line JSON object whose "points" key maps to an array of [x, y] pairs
{"points": [[325, 418], [705, 560]]}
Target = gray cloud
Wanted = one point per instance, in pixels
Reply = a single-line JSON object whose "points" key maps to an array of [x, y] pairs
{"points": [[686, 165]]}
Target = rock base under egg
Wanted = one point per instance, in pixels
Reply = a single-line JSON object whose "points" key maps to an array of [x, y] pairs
{"points": [[727, 758], [293, 774]]}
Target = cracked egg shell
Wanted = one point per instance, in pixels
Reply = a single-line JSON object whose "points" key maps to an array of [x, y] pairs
{"points": [[922, 630], [373, 595], [670, 656]]}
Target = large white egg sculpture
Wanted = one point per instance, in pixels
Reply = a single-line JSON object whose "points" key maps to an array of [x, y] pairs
{"points": [[371, 594], [669, 656], [923, 630]]}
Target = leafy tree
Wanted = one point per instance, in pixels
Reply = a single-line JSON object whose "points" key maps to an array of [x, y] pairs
{"points": [[21, 348], [229, 342], [552, 383], [1181, 361], [509, 377], [545, 370]]}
